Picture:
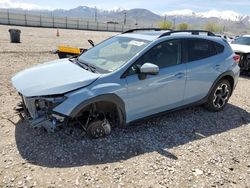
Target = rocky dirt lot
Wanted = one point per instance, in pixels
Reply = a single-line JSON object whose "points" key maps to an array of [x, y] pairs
{"points": [[188, 148]]}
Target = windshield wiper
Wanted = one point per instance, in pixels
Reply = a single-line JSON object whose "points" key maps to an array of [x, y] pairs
{"points": [[84, 65], [90, 67], [72, 59]]}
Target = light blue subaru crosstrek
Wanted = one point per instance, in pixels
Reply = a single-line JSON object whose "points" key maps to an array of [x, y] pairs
{"points": [[128, 77]]}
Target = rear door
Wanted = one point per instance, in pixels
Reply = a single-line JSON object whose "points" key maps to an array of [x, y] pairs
{"points": [[157, 93], [203, 67]]}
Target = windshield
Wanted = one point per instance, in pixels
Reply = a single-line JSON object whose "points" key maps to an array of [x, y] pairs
{"points": [[113, 53], [242, 40]]}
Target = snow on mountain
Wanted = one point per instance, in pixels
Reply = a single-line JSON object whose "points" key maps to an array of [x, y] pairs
{"points": [[224, 15], [117, 9], [184, 12]]}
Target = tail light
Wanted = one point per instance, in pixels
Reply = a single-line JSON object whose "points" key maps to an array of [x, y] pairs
{"points": [[236, 58]]}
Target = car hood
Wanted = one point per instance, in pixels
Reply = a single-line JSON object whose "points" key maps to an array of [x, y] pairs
{"points": [[240, 48], [55, 77]]}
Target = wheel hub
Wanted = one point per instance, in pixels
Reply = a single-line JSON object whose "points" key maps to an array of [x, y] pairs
{"points": [[221, 96], [99, 128]]}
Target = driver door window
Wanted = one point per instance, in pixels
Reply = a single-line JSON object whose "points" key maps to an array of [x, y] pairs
{"points": [[164, 55]]}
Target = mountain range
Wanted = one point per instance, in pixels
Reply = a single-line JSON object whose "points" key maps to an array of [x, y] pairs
{"points": [[230, 20]]}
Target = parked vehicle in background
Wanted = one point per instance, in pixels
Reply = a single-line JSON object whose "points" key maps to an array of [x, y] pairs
{"points": [[227, 38], [241, 47], [137, 74]]}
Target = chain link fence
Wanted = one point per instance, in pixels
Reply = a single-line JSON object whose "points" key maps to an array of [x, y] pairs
{"points": [[8, 17]]}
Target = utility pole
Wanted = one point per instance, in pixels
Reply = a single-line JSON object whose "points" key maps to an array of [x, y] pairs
{"points": [[53, 19], [95, 14], [8, 15], [174, 23], [25, 18], [165, 22], [125, 18], [40, 19]]}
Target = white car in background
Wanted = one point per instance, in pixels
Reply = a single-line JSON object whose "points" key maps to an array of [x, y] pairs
{"points": [[227, 38], [241, 46]]}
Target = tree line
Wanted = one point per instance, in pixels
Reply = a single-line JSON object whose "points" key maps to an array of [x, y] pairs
{"points": [[210, 26]]}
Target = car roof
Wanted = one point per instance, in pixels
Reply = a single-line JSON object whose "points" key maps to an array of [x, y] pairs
{"points": [[144, 35], [154, 35]]}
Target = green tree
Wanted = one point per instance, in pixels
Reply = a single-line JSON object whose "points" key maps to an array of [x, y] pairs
{"points": [[165, 25], [213, 27], [183, 26]]}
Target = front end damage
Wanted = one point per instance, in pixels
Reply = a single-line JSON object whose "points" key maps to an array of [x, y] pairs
{"points": [[244, 62], [39, 111], [95, 119], [52, 91]]}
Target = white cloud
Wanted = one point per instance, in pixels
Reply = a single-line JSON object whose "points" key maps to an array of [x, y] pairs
{"points": [[18, 4]]}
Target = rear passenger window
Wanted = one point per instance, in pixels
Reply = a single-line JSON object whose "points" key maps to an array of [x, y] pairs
{"points": [[200, 49]]}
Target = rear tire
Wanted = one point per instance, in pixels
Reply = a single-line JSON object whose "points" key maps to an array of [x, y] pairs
{"points": [[219, 96]]}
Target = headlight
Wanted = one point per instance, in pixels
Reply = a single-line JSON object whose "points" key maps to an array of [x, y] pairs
{"points": [[49, 102]]}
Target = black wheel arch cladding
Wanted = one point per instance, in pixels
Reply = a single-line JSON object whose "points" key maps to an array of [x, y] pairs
{"points": [[226, 75], [112, 98]]}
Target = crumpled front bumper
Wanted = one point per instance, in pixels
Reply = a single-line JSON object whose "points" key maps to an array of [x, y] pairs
{"points": [[28, 110]]}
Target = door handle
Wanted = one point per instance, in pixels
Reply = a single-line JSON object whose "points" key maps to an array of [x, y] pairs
{"points": [[180, 75]]}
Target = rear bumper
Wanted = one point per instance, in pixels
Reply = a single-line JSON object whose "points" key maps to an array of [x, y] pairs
{"points": [[236, 79]]}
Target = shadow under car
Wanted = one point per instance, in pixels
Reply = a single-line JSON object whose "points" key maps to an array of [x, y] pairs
{"points": [[69, 148]]}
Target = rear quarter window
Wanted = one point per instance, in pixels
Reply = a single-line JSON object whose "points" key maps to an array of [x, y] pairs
{"points": [[200, 49], [219, 48]]}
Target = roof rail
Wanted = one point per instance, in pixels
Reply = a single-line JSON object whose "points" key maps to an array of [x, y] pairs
{"points": [[193, 32], [146, 29]]}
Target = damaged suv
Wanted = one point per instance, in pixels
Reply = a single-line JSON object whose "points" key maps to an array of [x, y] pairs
{"points": [[128, 77], [241, 47]]}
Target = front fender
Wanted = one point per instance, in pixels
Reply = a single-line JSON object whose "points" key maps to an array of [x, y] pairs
{"points": [[72, 101], [77, 100]]}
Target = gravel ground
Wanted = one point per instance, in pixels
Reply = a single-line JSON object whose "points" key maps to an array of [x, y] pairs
{"points": [[188, 148]]}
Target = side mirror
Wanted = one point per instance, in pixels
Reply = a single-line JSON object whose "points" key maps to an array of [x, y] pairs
{"points": [[149, 68]]}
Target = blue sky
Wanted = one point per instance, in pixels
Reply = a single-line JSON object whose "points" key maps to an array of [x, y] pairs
{"points": [[157, 6]]}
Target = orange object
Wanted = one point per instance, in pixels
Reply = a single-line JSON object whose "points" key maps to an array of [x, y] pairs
{"points": [[70, 50], [57, 33]]}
